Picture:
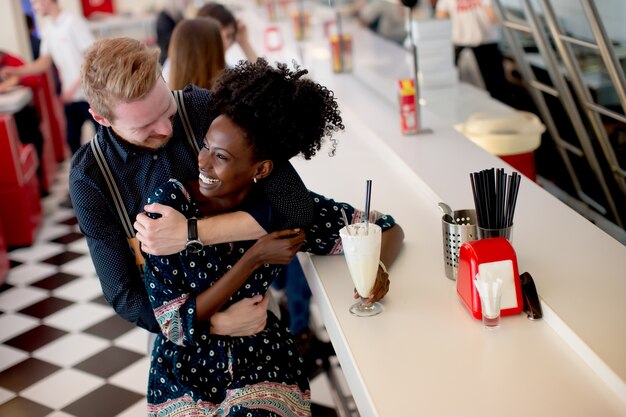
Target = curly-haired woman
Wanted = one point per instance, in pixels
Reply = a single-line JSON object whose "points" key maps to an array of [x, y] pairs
{"points": [[263, 116]]}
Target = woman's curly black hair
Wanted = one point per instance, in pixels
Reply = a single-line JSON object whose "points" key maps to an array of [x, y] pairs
{"points": [[282, 113]]}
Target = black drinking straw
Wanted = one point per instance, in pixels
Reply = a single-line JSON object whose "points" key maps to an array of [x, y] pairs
{"points": [[368, 199], [495, 197]]}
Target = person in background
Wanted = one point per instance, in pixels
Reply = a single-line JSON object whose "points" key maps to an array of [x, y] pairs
{"points": [[233, 30], [192, 371], [385, 17], [144, 142], [196, 54], [64, 40], [167, 19], [27, 118], [474, 26], [35, 42]]}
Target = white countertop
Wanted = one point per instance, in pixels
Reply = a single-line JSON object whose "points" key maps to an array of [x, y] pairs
{"points": [[425, 354], [15, 99]]}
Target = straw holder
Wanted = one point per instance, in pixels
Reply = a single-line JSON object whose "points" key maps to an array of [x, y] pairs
{"points": [[454, 235]]}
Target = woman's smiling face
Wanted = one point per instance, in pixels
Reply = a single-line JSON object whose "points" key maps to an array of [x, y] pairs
{"points": [[226, 163]]}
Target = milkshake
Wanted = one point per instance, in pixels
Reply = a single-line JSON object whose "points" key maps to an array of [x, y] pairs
{"points": [[362, 253]]}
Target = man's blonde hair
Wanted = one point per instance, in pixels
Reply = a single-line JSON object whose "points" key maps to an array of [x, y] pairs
{"points": [[118, 70]]}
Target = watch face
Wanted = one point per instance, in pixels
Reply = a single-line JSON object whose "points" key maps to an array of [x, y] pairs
{"points": [[194, 246]]}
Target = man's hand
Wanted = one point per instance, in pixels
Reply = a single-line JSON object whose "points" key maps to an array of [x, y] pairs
{"points": [[244, 318], [166, 235], [8, 72]]}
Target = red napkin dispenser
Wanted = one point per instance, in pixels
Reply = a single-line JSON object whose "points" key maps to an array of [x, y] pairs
{"points": [[494, 257]]}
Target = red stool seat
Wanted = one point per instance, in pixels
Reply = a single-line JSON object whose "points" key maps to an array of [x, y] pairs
{"points": [[20, 207]]}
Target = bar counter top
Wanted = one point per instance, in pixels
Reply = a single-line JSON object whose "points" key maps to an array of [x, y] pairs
{"points": [[425, 354]]}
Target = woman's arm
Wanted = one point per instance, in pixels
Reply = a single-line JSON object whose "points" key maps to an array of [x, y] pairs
{"points": [[182, 314], [391, 245], [275, 248], [323, 235], [43, 63]]}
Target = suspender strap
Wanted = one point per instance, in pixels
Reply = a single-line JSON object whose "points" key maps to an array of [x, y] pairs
{"points": [[115, 192], [184, 117]]}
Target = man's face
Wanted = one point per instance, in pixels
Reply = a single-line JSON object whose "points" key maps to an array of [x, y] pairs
{"points": [[146, 123], [41, 7]]}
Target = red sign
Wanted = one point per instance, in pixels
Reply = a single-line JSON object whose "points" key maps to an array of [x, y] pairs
{"points": [[97, 6]]}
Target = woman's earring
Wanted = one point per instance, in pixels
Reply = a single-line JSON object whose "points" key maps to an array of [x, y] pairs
{"points": [[254, 179]]}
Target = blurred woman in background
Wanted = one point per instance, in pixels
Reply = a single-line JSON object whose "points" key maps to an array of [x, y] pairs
{"points": [[196, 53], [233, 30]]}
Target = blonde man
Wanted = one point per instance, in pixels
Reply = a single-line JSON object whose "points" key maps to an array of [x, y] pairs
{"points": [[143, 140]]}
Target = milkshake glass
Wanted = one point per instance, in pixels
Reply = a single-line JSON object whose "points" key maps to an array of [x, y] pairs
{"points": [[361, 248]]}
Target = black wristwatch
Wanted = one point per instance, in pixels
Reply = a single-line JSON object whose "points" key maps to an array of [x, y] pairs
{"points": [[194, 245]]}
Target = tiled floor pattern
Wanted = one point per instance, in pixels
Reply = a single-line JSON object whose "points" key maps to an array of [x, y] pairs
{"points": [[63, 351]]}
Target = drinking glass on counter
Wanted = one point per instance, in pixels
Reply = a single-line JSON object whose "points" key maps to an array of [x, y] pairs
{"points": [[490, 293], [495, 197], [505, 232], [361, 247]]}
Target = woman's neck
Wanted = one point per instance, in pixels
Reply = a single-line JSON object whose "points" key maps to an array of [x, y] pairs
{"points": [[216, 205]]}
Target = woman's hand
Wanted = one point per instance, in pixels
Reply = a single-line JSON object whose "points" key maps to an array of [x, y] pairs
{"points": [[278, 247], [381, 287]]}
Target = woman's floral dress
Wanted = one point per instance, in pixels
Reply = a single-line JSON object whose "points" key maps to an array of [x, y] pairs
{"points": [[196, 373]]}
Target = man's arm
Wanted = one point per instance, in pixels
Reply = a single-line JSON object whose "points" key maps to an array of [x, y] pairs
{"points": [[43, 63], [491, 14], [168, 234], [121, 281], [8, 83]]}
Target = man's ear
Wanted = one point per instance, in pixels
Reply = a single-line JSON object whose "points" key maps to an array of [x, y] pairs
{"points": [[263, 169], [102, 120]]}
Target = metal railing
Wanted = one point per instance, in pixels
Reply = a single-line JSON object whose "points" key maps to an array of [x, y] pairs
{"points": [[565, 69]]}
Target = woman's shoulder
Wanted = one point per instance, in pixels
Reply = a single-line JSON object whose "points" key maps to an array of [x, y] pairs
{"points": [[173, 193]]}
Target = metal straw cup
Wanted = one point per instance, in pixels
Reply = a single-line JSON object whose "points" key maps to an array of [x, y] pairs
{"points": [[454, 235]]}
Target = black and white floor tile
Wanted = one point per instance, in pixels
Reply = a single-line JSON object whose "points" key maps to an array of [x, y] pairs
{"points": [[63, 351]]}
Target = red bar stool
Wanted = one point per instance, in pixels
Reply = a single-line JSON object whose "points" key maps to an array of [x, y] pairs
{"points": [[52, 114], [48, 161], [4, 257], [20, 210]]}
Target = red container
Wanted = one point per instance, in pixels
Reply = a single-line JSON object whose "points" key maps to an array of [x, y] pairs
{"points": [[495, 254], [524, 163], [273, 39], [341, 49], [301, 24], [408, 107]]}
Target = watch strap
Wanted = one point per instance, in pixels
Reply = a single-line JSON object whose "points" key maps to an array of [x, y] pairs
{"points": [[192, 229]]}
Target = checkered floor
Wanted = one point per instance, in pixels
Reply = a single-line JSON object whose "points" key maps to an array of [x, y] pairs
{"points": [[63, 351]]}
